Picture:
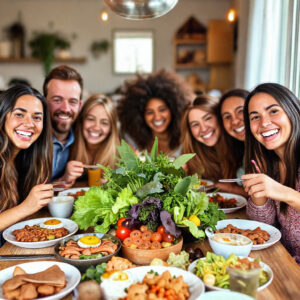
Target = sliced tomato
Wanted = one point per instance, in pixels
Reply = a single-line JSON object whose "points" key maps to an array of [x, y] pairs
{"points": [[135, 234]]}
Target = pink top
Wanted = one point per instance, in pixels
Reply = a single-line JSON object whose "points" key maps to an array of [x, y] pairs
{"points": [[289, 222]]}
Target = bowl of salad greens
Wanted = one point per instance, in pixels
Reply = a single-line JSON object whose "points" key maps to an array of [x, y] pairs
{"points": [[212, 269]]}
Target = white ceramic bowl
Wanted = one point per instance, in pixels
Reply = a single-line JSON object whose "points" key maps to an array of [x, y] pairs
{"points": [[61, 206], [225, 249]]}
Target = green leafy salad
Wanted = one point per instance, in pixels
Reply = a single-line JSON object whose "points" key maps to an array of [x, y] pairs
{"points": [[213, 270], [155, 191]]}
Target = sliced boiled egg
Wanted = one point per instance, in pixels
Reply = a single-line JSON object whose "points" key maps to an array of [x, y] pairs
{"points": [[52, 224], [89, 241], [115, 276], [114, 284]]}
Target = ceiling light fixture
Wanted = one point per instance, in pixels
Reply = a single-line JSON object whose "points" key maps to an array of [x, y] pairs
{"points": [[104, 15], [231, 15], [140, 9]]}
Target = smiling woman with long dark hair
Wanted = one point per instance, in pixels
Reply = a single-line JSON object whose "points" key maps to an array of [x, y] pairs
{"points": [[272, 123], [25, 154]]}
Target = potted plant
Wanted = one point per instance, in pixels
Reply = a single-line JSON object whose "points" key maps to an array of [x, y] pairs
{"points": [[98, 47], [43, 46]]}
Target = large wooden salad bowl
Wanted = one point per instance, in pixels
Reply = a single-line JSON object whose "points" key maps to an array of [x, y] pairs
{"points": [[144, 257]]}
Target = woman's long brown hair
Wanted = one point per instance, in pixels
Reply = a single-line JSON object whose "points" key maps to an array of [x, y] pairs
{"points": [[210, 162], [31, 166], [107, 150], [268, 160]]}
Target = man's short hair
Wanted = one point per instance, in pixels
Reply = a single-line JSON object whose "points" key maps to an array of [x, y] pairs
{"points": [[63, 72]]}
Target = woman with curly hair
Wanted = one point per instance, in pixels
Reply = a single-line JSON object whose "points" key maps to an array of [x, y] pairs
{"points": [[25, 154], [96, 137], [152, 107], [203, 135]]}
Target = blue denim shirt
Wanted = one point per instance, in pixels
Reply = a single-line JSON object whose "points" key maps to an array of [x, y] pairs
{"points": [[61, 155]]}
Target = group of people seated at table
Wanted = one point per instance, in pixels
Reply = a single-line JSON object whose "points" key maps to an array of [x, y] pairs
{"points": [[51, 137]]}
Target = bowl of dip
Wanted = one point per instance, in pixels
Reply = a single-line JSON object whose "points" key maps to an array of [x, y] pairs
{"points": [[227, 243], [61, 206]]}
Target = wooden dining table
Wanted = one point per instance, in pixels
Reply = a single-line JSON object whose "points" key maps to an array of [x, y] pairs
{"points": [[285, 284]]}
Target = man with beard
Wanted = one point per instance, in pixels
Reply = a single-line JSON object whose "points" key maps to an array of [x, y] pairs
{"points": [[63, 91]]}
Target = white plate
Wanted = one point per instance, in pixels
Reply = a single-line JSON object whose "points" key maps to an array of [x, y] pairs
{"points": [[72, 191], [225, 295], [204, 188], [208, 182], [196, 286], [275, 234], [72, 276], [214, 288], [9, 236], [240, 201]]}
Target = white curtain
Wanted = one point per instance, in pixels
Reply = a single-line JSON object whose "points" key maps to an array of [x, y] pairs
{"points": [[292, 78], [266, 50]]}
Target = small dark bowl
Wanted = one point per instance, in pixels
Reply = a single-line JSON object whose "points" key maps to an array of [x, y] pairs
{"points": [[83, 264], [187, 236]]}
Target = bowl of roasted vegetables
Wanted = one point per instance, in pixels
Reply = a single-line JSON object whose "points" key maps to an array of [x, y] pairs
{"points": [[84, 250], [142, 245]]}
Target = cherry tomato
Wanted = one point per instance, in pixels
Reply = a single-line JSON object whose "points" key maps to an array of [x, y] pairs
{"points": [[161, 229], [156, 237], [120, 221], [168, 238], [122, 233]]}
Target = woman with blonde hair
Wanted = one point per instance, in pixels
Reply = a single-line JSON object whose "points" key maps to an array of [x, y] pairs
{"points": [[96, 137], [202, 134]]}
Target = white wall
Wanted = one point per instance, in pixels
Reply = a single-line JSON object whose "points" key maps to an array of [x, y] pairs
{"points": [[82, 17]]}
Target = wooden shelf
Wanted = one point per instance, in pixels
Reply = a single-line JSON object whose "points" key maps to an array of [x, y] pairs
{"points": [[33, 60], [191, 66], [190, 41]]}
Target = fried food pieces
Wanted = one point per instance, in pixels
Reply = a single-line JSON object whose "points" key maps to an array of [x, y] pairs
{"points": [[118, 264], [30, 286], [257, 236], [156, 286], [37, 234], [73, 251]]}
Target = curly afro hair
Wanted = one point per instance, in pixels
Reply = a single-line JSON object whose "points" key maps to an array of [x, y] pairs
{"points": [[165, 85]]}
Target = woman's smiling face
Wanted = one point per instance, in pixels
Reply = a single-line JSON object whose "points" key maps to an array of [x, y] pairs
{"points": [[157, 115], [204, 126], [269, 123], [233, 118], [96, 125], [24, 124]]}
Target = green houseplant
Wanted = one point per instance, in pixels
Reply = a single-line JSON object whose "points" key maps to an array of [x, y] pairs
{"points": [[98, 47], [43, 45]]}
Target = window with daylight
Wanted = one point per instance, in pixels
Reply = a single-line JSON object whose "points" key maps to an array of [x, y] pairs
{"points": [[133, 52]]}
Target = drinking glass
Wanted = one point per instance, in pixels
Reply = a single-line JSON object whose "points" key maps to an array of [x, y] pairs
{"points": [[244, 281], [94, 176]]}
